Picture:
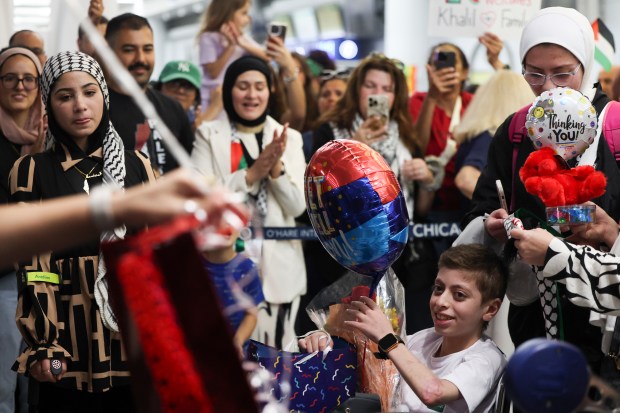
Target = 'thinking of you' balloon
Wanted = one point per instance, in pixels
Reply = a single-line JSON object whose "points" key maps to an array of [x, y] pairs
{"points": [[564, 120]]}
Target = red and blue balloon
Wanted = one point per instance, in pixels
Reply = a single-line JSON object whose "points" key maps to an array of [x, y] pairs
{"points": [[356, 207]]}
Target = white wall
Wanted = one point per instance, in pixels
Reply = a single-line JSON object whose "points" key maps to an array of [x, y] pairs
{"points": [[6, 21], [610, 10], [64, 24]]}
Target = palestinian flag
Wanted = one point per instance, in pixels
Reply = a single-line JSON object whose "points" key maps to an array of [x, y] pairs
{"points": [[604, 45]]}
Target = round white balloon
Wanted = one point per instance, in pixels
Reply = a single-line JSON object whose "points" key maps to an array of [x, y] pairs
{"points": [[564, 120]]}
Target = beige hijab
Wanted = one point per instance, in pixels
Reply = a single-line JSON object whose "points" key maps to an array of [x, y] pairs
{"points": [[30, 137]]}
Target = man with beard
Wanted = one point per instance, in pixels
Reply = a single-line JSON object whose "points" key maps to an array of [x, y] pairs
{"points": [[131, 38]]}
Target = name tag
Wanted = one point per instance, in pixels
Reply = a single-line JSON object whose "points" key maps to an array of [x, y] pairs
{"points": [[46, 277]]}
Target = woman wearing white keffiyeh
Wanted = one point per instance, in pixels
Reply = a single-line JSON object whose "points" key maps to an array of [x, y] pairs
{"points": [[63, 311], [397, 143]]}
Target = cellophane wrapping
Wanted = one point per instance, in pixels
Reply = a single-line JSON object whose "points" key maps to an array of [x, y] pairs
{"points": [[328, 311]]}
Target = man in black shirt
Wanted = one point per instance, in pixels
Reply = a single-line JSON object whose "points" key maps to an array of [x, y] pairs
{"points": [[131, 38]]}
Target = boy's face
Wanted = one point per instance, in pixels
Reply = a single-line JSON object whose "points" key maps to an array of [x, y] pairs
{"points": [[457, 308]]}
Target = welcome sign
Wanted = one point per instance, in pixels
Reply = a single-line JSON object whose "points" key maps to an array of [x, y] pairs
{"points": [[471, 18]]}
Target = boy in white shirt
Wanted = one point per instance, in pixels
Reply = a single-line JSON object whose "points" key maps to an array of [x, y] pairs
{"points": [[453, 367]]}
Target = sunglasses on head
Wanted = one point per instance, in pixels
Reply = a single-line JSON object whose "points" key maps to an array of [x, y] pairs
{"points": [[377, 55], [326, 75]]}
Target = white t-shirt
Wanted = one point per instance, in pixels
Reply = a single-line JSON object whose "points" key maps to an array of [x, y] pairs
{"points": [[475, 371]]}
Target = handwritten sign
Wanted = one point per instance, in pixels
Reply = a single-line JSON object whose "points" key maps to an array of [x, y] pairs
{"points": [[454, 18]]}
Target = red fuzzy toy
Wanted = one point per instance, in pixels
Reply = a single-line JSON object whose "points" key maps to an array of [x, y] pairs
{"points": [[545, 176]]}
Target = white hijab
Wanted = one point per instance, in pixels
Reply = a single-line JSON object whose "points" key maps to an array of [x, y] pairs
{"points": [[565, 27]]}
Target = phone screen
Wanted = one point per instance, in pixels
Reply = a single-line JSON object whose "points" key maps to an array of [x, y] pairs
{"points": [[444, 59]]}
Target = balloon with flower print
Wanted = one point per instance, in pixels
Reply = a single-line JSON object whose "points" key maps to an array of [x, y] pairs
{"points": [[564, 120], [356, 207]]}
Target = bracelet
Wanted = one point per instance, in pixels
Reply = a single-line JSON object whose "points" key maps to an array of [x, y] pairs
{"points": [[100, 204], [289, 79]]}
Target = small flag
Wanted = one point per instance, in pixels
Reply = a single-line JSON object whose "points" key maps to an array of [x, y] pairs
{"points": [[605, 47]]}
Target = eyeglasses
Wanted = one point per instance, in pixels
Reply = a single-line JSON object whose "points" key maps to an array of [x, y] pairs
{"points": [[558, 79], [326, 75], [377, 55], [11, 80]]}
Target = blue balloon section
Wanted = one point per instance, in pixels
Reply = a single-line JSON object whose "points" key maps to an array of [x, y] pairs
{"points": [[545, 376], [356, 207]]}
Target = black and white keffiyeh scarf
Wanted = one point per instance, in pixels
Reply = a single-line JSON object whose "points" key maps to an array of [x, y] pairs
{"points": [[106, 136], [258, 201], [388, 148]]}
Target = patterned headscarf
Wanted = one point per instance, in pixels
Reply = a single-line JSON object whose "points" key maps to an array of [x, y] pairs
{"points": [[105, 134], [113, 150]]}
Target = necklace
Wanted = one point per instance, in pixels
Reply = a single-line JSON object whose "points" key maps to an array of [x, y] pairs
{"points": [[87, 176]]}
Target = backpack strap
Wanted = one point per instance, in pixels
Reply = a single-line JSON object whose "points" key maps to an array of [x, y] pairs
{"points": [[611, 128], [516, 133]]}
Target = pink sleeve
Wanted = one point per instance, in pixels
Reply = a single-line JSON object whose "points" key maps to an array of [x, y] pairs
{"points": [[210, 47]]}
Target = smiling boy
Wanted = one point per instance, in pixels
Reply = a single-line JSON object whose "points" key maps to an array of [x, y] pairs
{"points": [[454, 366]]}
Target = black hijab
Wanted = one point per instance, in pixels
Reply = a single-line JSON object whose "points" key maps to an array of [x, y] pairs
{"points": [[236, 68]]}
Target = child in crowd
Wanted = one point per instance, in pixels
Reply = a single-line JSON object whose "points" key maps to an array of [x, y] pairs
{"points": [[222, 41], [453, 366], [235, 277]]}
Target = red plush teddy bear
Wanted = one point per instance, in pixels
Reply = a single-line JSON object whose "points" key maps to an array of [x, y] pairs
{"points": [[547, 177]]}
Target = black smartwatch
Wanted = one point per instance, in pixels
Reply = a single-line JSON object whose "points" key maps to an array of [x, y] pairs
{"points": [[387, 344]]}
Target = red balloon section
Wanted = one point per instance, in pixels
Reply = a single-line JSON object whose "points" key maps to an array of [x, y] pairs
{"points": [[356, 206]]}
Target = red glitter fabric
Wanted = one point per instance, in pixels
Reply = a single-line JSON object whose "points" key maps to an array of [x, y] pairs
{"points": [[171, 364]]}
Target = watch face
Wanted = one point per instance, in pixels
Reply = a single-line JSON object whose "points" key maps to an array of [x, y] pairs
{"points": [[387, 342]]}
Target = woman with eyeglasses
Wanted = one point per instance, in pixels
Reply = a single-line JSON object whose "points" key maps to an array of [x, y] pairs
{"points": [[21, 132], [379, 77], [74, 349], [557, 49]]}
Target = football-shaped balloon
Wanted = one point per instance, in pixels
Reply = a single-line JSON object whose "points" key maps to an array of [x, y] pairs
{"points": [[356, 206], [564, 120]]}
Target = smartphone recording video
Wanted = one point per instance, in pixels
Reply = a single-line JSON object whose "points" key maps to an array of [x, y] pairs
{"points": [[378, 107], [278, 30], [443, 59]]}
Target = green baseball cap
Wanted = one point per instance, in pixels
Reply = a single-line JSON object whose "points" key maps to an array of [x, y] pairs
{"points": [[181, 69]]}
